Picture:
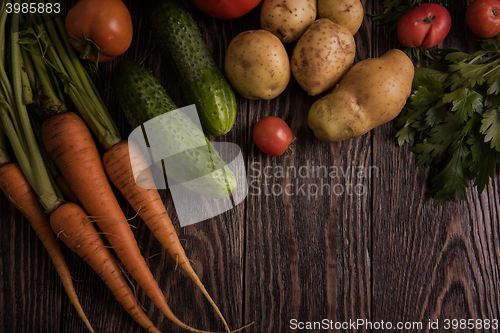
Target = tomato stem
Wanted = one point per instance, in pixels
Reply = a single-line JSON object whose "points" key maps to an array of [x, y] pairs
{"points": [[289, 149], [429, 19], [89, 47]]}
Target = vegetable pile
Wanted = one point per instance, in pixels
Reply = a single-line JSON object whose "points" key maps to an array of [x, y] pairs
{"points": [[51, 111], [40, 81]]}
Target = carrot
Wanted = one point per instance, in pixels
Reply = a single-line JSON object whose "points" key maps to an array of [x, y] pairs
{"points": [[72, 225], [91, 108], [146, 201], [65, 190], [27, 183], [16, 188], [69, 142]]}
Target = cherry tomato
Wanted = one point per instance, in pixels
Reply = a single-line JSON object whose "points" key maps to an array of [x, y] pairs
{"points": [[272, 135], [482, 18], [99, 28], [425, 25], [226, 9]]}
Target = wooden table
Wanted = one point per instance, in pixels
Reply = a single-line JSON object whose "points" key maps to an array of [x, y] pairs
{"points": [[382, 254]]}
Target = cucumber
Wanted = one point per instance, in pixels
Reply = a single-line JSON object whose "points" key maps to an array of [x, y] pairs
{"points": [[141, 98], [200, 80]]}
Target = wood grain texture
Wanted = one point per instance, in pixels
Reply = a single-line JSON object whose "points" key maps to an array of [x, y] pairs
{"points": [[361, 241]]}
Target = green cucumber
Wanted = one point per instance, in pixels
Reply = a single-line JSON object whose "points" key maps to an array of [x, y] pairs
{"points": [[200, 80], [141, 98]]}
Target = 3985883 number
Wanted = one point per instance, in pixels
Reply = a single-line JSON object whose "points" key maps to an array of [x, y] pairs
{"points": [[33, 8], [487, 324]]}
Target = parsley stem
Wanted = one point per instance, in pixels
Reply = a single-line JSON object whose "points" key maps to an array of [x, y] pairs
{"points": [[492, 70], [476, 58]]}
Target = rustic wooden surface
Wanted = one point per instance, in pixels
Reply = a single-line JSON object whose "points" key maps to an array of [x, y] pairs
{"points": [[387, 255]]}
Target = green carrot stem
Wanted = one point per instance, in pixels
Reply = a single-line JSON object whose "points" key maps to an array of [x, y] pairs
{"points": [[4, 155], [4, 80], [95, 115], [26, 85], [53, 172], [28, 67], [18, 147], [54, 101], [52, 54], [48, 97], [68, 75], [103, 114], [74, 87], [41, 182], [3, 19]]}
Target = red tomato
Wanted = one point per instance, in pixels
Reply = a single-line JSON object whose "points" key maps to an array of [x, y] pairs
{"points": [[226, 9], [482, 18], [107, 26], [272, 135], [425, 25]]}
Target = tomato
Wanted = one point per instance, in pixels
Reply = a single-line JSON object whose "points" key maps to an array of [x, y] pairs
{"points": [[424, 26], [99, 28], [226, 9], [482, 18], [272, 135]]}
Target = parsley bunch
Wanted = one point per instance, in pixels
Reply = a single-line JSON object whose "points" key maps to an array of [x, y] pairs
{"points": [[453, 114]]}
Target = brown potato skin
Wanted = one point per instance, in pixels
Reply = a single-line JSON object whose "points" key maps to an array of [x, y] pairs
{"points": [[372, 93], [287, 19], [348, 13], [322, 56], [257, 65]]}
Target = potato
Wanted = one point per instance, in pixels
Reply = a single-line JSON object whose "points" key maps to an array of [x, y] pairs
{"points": [[348, 13], [373, 92], [257, 65], [287, 19], [323, 54]]}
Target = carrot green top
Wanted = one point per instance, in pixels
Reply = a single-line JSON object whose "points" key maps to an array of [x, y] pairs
{"points": [[15, 121]]}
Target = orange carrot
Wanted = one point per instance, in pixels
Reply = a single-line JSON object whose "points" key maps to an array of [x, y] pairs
{"points": [[69, 142], [146, 201], [16, 188], [65, 190], [72, 224]]}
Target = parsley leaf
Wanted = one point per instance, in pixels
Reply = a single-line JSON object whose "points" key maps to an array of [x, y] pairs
{"points": [[491, 127], [466, 107], [452, 178], [485, 161], [437, 141], [467, 75]]}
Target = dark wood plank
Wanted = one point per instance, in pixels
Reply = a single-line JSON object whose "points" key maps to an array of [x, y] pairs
{"points": [[28, 281], [430, 263]]}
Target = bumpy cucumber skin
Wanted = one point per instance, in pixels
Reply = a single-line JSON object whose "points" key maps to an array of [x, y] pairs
{"points": [[201, 81], [141, 98]]}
